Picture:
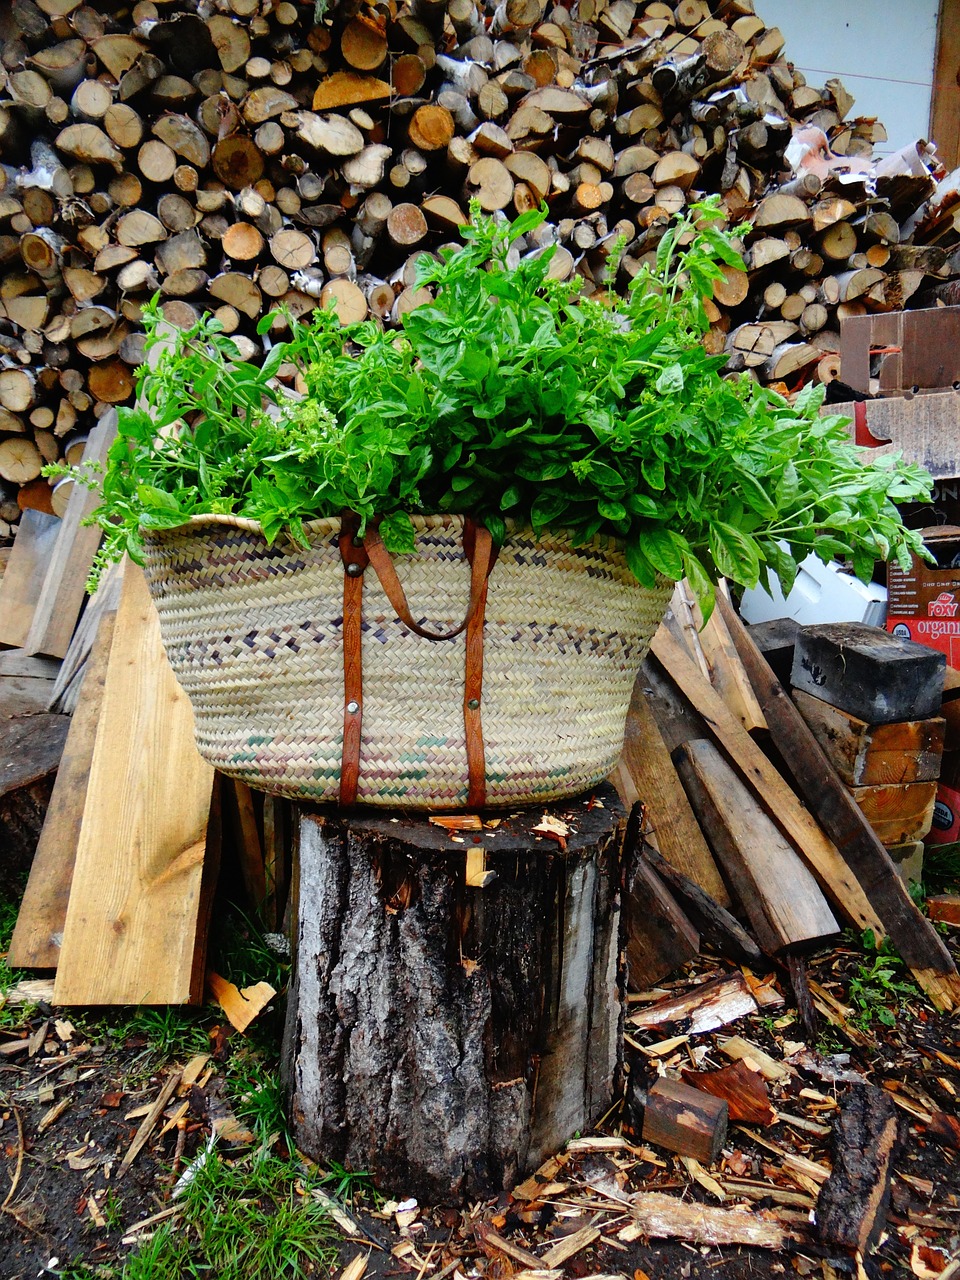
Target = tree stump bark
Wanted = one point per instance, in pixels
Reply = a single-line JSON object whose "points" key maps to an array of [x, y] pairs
{"points": [[449, 1028]]}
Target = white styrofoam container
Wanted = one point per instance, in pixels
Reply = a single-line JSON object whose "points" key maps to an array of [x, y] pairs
{"points": [[821, 593]]}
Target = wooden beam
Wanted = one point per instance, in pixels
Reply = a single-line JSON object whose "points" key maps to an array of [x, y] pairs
{"points": [[23, 578], [945, 101]]}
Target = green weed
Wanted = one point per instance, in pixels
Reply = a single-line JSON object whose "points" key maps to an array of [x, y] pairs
{"points": [[876, 989], [253, 1220], [941, 868]]}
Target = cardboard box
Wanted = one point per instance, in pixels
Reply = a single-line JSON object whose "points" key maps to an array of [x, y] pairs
{"points": [[923, 603]]}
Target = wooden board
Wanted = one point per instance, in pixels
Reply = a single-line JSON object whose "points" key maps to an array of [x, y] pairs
{"points": [[660, 938], [776, 797], [669, 816], [132, 921], [923, 349], [888, 900], [43, 911], [925, 429], [898, 814], [26, 569], [24, 695], [778, 892], [64, 585], [866, 755]]}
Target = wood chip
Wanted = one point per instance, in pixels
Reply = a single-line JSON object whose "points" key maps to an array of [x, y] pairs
{"points": [[564, 1249], [240, 1006], [149, 1121], [50, 1117], [355, 1268]]}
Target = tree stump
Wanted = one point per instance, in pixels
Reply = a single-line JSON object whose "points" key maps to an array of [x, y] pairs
{"points": [[455, 1012]]}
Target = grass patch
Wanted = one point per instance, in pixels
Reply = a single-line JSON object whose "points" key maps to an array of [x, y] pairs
{"points": [[250, 1220]]}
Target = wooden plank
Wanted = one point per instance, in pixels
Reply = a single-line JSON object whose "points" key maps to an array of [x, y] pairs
{"points": [[24, 695], [131, 927], [898, 814], [887, 898], [776, 797], [778, 892], [945, 101], [247, 843], [43, 911], [14, 662], [925, 429], [22, 582], [866, 755], [675, 829], [727, 674], [64, 585]]}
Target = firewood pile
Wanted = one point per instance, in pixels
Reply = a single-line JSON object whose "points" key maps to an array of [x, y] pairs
{"points": [[254, 154]]}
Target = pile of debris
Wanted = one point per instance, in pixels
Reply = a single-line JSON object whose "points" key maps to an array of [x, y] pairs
{"points": [[246, 157]]}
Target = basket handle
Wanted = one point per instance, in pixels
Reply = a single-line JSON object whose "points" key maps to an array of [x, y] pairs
{"points": [[477, 547]]}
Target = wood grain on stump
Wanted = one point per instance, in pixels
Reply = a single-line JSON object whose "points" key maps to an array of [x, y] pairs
{"points": [[447, 1037]]}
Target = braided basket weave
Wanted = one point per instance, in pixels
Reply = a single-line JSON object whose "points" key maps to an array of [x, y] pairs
{"points": [[254, 634]]}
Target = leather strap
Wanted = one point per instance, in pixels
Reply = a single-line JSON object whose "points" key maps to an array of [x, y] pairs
{"points": [[355, 561], [472, 701], [477, 546]]}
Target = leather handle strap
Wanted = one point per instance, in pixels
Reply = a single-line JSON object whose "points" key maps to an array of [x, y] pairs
{"points": [[355, 561], [479, 550]]}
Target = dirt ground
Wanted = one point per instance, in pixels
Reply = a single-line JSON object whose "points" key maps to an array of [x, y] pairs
{"points": [[74, 1092]]}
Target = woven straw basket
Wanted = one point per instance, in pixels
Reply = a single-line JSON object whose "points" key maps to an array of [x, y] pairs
{"points": [[256, 636]]}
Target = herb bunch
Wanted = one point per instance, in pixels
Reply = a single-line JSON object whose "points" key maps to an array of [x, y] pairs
{"points": [[512, 397]]}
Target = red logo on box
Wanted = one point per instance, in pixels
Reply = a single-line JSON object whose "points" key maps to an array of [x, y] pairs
{"points": [[945, 606]]}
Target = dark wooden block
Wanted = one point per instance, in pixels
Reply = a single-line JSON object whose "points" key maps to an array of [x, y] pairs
{"points": [[852, 1206], [777, 640], [685, 1120], [868, 672], [660, 938]]}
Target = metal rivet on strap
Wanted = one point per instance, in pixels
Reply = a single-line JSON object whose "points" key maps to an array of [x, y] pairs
{"points": [[474, 704], [354, 570], [353, 707]]}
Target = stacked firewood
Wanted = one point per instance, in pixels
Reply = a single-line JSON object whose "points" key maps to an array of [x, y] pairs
{"points": [[241, 155]]}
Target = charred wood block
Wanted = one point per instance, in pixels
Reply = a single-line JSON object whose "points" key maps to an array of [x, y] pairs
{"points": [[852, 1206], [777, 641], [685, 1120], [448, 1030], [660, 938], [868, 672]]}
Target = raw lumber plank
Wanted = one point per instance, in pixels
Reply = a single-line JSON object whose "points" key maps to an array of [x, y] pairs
{"points": [[62, 595], [39, 928], [132, 921], [889, 902], [872, 755], [778, 892], [24, 695], [23, 578], [852, 1205], [870, 673], [675, 829], [727, 674], [770, 788], [685, 1120]]}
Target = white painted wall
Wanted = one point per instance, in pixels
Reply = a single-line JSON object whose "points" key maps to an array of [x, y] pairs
{"points": [[882, 50]]}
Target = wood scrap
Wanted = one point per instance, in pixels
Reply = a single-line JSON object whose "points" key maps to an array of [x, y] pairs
{"points": [[723, 929], [852, 1206], [684, 1120], [775, 795], [781, 898], [30, 752], [742, 1089], [890, 904], [241, 1005], [660, 938], [663, 1217], [707, 1006]]}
